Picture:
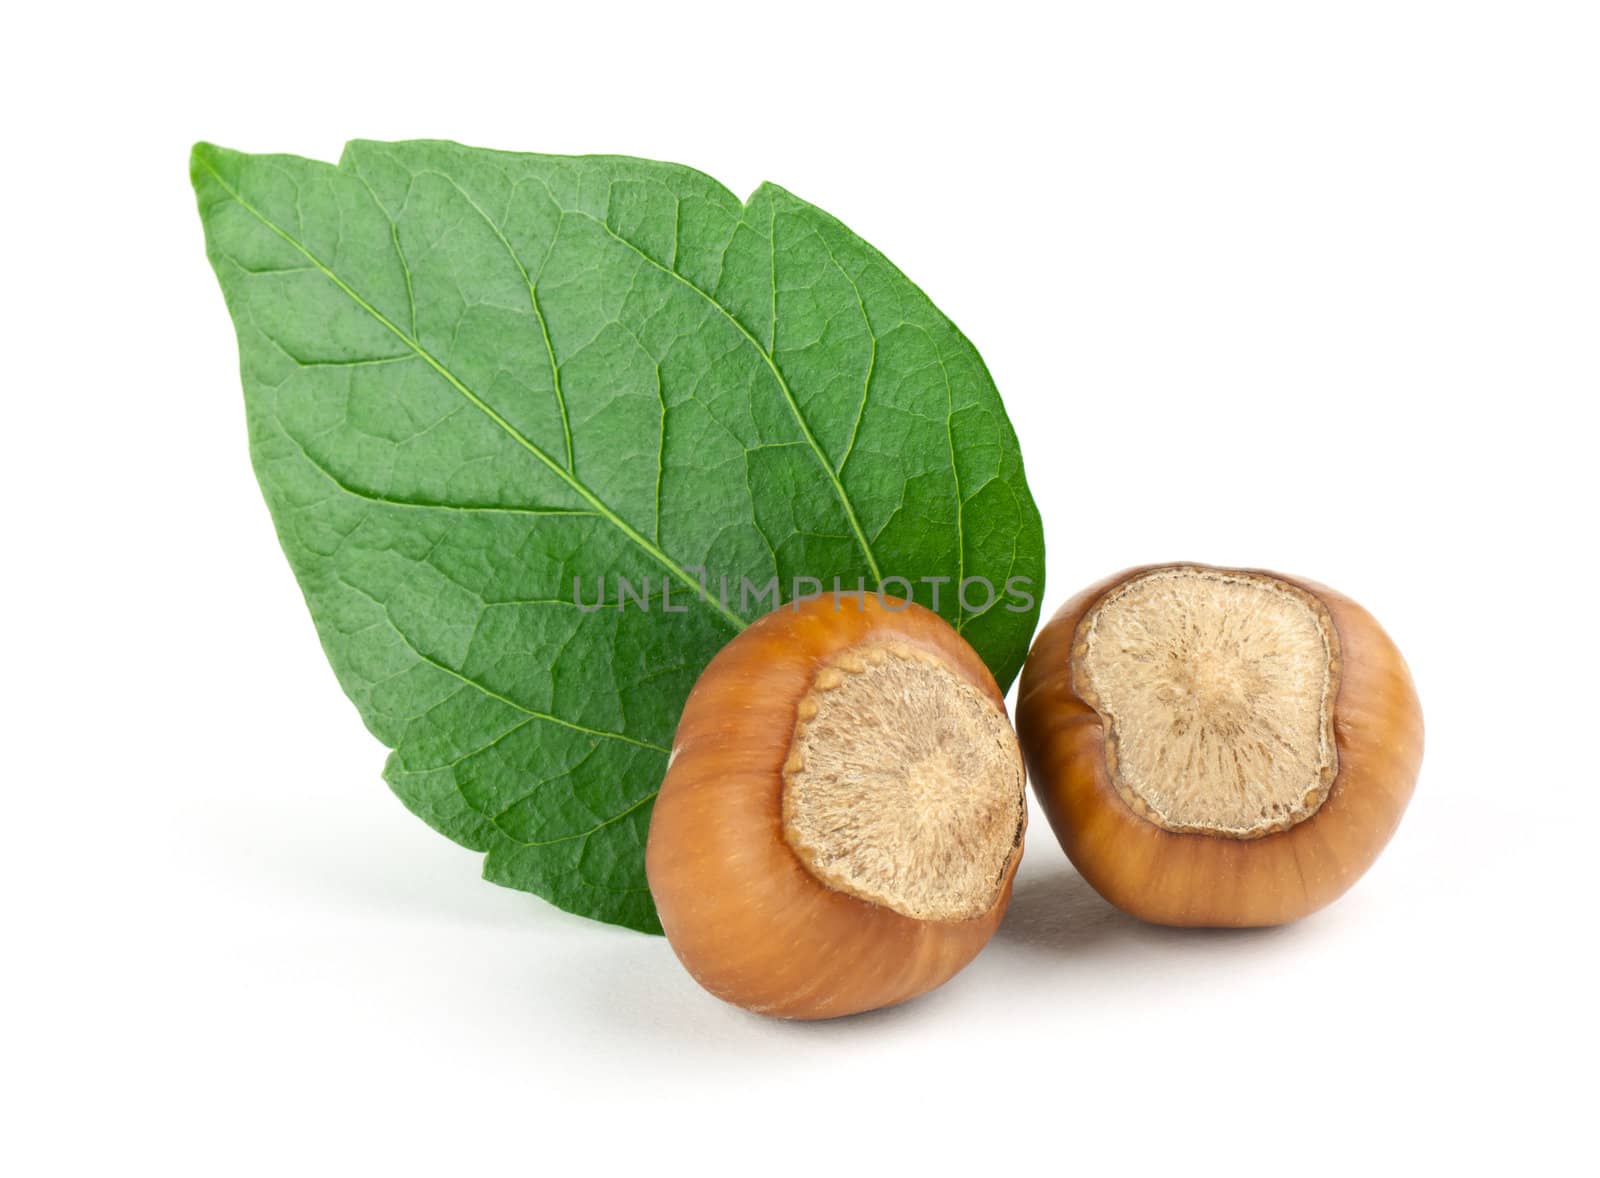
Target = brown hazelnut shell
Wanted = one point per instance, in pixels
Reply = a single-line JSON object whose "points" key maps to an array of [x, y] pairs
{"points": [[745, 916], [1197, 879]]}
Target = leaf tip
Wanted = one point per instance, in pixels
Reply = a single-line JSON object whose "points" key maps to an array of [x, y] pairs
{"points": [[206, 163]]}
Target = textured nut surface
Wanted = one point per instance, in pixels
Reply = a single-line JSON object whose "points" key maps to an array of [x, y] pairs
{"points": [[903, 785], [1217, 690], [1176, 845], [772, 899]]}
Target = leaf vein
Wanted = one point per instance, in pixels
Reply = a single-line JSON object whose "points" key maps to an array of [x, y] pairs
{"points": [[488, 410], [533, 298], [485, 689], [777, 375]]}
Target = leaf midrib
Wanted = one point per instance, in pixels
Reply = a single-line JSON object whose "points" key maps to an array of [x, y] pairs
{"points": [[580, 488]]}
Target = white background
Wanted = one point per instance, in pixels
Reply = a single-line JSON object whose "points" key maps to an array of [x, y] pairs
{"points": [[1314, 288]]}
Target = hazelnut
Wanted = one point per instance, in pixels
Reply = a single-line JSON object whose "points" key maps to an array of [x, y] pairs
{"points": [[1216, 746], [842, 813]]}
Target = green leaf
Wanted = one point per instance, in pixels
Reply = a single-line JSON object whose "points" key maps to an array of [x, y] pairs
{"points": [[473, 377]]}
